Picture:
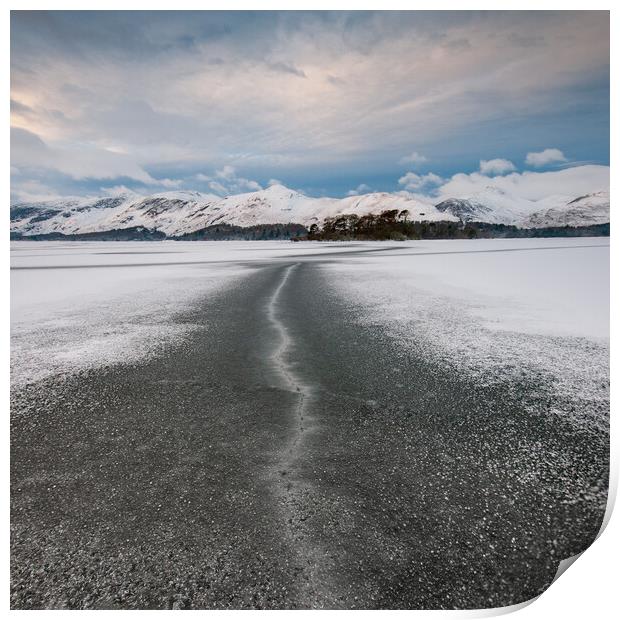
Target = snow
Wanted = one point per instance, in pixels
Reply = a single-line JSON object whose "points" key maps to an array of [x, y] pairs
{"points": [[495, 309], [505, 208], [537, 286], [179, 212], [497, 206], [80, 305], [82, 314], [498, 310], [586, 210]]}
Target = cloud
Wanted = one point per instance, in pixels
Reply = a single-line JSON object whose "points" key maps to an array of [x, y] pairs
{"points": [[227, 172], [301, 95], [120, 190], [170, 183], [20, 108], [544, 158], [415, 158], [412, 181], [530, 185], [283, 67], [226, 181], [32, 190], [458, 45], [218, 188], [274, 182], [253, 186], [362, 188], [335, 80], [29, 151], [496, 166]]}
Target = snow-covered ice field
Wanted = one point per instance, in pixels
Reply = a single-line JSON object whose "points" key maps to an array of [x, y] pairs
{"points": [[75, 306], [493, 307], [79, 305], [416, 425], [500, 309]]}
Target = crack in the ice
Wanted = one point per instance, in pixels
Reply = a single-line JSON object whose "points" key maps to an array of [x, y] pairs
{"points": [[291, 382], [288, 489]]}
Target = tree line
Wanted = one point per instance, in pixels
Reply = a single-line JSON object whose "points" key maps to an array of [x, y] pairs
{"points": [[395, 225]]}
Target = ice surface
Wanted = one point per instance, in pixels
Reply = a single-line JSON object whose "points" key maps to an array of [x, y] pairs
{"points": [[539, 286], [534, 309], [496, 309], [81, 313], [79, 305]]}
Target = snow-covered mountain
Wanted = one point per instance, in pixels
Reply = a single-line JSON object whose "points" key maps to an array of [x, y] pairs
{"points": [[496, 206], [177, 213], [587, 210], [181, 212], [464, 209]]}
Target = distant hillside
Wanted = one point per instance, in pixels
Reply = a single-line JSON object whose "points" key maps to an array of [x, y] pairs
{"points": [[192, 214]]}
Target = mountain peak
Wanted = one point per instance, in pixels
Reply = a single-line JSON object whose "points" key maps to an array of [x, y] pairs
{"points": [[277, 189]]}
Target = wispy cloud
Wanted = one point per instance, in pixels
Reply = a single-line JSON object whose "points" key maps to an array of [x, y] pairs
{"points": [[29, 151], [362, 188], [284, 67], [412, 159], [322, 98], [226, 181]]}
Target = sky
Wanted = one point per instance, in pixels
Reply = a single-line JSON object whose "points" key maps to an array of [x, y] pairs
{"points": [[328, 103]]}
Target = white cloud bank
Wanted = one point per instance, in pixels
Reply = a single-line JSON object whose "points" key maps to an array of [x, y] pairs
{"points": [[531, 185], [544, 158], [28, 150]]}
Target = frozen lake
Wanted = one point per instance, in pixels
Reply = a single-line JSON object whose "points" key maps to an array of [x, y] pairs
{"points": [[418, 424], [78, 304]]}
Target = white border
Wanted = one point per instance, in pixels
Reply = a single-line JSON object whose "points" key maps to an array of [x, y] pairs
{"points": [[589, 587]]}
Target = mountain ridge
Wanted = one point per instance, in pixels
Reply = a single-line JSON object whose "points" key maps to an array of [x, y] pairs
{"points": [[179, 213]]}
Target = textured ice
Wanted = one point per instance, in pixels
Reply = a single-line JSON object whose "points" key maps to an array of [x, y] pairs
{"points": [[81, 305], [500, 310], [80, 314]]}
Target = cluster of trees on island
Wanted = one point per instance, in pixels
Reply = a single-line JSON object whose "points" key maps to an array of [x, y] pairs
{"points": [[390, 224], [395, 225]]}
